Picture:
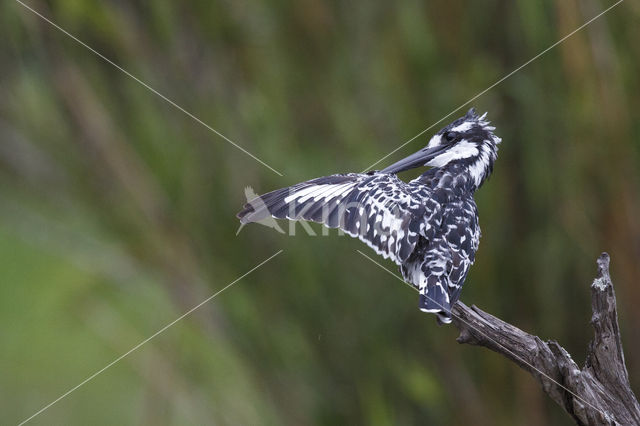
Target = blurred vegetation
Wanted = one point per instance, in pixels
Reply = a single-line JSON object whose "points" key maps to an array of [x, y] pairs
{"points": [[117, 210]]}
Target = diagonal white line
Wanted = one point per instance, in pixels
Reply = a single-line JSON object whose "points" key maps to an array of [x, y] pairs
{"points": [[146, 86], [91, 377], [496, 83], [489, 338]]}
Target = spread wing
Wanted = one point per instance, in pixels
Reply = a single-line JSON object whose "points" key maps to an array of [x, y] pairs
{"points": [[386, 213]]}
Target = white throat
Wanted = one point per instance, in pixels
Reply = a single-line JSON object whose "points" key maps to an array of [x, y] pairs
{"points": [[479, 169]]}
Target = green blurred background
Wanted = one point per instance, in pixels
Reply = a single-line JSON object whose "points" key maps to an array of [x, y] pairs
{"points": [[117, 211]]}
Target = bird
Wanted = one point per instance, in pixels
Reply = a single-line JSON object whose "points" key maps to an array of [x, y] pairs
{"points": [[427, 226]]}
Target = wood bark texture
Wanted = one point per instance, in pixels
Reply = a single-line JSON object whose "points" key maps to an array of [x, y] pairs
{"points": [[599, 393]]}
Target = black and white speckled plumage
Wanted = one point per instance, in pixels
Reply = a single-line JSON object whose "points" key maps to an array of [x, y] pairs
{"points": [[428, 226]]}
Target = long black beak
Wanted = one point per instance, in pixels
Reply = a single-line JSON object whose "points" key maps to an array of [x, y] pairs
{"points": [[420, 158]]}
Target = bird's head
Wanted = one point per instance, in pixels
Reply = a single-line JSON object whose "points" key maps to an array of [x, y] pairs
{"points": [[468, 141]]}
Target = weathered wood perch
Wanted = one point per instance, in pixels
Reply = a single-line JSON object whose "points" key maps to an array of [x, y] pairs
{"points": [[597, 394]]}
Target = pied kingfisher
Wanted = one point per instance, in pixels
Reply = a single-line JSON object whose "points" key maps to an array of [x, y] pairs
{"points": [[428, 226]]}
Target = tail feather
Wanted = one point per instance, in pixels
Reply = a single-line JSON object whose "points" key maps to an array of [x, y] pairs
{"points": [[433, 299]]}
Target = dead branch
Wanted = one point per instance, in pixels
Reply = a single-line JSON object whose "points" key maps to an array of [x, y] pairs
{"points": [[597, 394]]}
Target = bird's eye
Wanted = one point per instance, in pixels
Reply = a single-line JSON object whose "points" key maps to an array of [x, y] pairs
{"points": [[450, 136]]}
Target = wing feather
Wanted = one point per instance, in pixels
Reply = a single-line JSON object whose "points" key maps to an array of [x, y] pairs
{"points": [[379, 209]]}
